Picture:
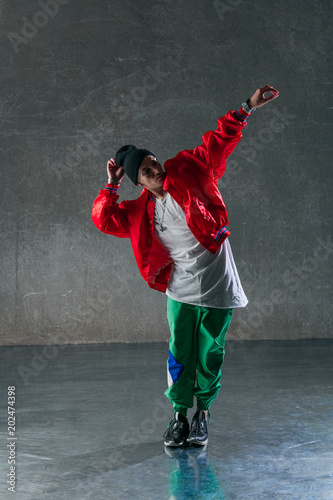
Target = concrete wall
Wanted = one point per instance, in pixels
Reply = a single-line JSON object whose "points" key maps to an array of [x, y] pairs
{"points": [[82, 78]]}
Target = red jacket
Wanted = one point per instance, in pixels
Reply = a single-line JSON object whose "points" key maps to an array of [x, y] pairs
{"points": [[191, 180]]}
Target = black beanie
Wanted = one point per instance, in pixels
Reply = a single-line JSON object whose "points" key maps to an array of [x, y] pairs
{"points": [[130, 158]]}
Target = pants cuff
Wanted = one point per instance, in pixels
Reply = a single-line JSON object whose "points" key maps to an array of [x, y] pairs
{"points": [[181, 410], [203, 406]]}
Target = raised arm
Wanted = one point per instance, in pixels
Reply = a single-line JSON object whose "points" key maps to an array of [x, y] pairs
{"points": [[108, 215], [219, 144]]}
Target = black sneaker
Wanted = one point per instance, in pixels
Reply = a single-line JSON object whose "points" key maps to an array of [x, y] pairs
{"points": [[177, 432], [198, 434]]}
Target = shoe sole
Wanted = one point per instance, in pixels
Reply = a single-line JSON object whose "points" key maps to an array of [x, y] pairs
{"points": [[172, 444], [197, 443]]}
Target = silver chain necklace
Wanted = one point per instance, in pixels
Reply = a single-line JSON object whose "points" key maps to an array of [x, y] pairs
{"points": [[163, 228]]}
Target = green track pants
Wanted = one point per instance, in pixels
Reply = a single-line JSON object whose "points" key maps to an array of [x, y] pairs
{"points": [[196, 353]]}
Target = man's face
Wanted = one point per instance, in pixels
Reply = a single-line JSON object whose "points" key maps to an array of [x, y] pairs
{"points": [[151, 174]]}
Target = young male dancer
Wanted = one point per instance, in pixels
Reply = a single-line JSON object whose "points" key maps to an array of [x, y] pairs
{"points": [[178, 230]]}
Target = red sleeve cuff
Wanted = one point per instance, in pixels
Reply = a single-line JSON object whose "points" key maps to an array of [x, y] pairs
{"points": [[241, 115], [113, 188]]}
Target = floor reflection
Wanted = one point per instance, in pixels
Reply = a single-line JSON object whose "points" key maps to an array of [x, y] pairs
{"points": [[270, 435], [192, 476]]}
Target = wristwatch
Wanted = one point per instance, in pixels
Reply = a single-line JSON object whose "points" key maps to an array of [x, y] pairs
{"points": [[246, 106]]}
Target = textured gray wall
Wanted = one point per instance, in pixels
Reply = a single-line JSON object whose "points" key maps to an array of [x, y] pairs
{"points": [[82, 78]]}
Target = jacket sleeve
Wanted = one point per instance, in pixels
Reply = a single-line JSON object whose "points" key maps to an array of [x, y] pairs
{"points": [[108, 215], [218, 145]]}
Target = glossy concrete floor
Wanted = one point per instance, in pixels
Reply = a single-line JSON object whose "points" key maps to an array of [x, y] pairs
{"points": [[90, 419]]}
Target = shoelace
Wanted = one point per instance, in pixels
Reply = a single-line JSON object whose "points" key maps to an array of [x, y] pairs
{"points": [[198, 426], [173, 425]]}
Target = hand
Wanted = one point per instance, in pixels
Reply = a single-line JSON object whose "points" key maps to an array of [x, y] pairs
{"points": [[115, 173], [258, 99]]}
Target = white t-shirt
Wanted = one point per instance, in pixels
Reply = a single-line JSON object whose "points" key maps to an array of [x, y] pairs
{"points": [[198, 277]]}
